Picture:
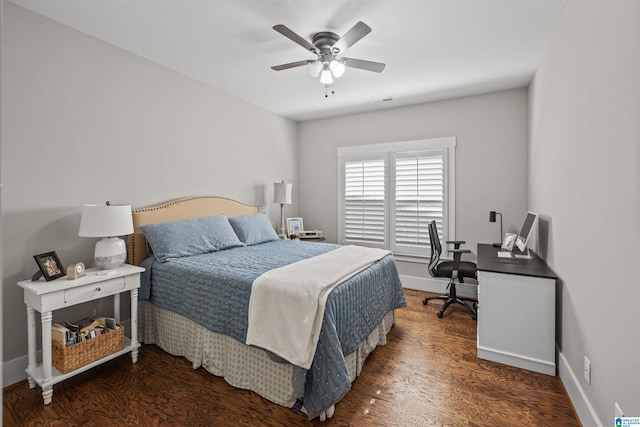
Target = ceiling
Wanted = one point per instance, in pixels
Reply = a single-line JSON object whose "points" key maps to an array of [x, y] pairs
{"points": [[433, 49]]}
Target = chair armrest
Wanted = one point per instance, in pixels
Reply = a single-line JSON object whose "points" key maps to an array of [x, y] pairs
{"points": [[460, 251], [457, 257], [456, 243], [457, 253]]}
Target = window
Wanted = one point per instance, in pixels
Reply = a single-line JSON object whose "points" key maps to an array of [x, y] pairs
{"points": [[364, 200], [389, 193]]}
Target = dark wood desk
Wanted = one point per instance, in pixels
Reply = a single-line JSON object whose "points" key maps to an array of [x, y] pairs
{"points": [[516, 311], [488, 260]]}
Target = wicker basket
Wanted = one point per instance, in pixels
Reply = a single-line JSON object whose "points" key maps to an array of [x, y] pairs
{"points": [[66, 359]]}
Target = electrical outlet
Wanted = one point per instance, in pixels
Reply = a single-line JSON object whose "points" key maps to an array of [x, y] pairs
{"points": [[617, 410], [587, 370]]}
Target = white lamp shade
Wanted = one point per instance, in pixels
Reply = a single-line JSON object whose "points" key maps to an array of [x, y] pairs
{"points": [[282, 193], [325, 77], [106, 221], [337, 68], [314, 68]]}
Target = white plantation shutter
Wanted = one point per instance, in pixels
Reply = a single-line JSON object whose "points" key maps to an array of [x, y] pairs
{"points": [[364, 201], [420, 190], [389, 192]]}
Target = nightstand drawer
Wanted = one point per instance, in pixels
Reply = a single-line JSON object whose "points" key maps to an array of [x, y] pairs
{"points": [[94, 291]]}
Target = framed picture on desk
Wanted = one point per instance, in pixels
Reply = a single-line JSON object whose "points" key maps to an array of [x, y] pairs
{"points": [[509, 241]]}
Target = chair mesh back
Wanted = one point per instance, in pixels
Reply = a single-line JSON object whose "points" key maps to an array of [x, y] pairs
{"points": [[436, 249]]}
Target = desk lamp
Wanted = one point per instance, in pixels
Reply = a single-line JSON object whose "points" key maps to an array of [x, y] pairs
{"points": [[107, 221], [282, 196], [492, 218]]}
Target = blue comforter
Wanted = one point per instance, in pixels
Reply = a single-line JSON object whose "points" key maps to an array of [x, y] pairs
{"points": [[213, 290]]}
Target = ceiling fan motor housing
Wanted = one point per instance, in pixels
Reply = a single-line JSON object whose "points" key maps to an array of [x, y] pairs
{"points": [[324, 41]]}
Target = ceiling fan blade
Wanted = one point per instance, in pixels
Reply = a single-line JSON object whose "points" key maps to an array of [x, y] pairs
{"points": [[364, 65], [356, 32], [292, 65], [293, 36]]}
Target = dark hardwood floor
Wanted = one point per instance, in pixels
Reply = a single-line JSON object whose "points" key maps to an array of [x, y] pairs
{"points": [[427, 375]]}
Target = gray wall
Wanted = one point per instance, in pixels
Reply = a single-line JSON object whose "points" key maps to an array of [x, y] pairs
{"points": [[85, 122], [584, 161], [491, 160]]}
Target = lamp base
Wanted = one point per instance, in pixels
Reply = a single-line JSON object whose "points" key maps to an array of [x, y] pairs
{"points": [[110, 253], [497, 245], [282, 232]]}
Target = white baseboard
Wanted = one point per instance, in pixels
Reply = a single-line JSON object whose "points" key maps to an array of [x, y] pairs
{"points": [[547, 367], [578, 397], [13, 371]]}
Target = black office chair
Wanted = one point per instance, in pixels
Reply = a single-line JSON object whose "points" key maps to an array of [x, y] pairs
{"points": [[454, 270]]}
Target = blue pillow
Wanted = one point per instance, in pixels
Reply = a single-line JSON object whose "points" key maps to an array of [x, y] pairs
{"points": [[253, 229], [176, 239]]}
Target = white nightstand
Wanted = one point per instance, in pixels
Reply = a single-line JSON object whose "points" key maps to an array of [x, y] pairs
{"points": [[46, 297]]}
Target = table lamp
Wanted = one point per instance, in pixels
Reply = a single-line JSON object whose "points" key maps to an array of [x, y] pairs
{"points": [[492, 218], [109, 222], [282, 196]]}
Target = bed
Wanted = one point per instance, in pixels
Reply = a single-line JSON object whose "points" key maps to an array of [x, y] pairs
{"points": [[198, 299]]}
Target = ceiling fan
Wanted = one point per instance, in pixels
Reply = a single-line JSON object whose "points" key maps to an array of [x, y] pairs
{"points": [[327, 46]]}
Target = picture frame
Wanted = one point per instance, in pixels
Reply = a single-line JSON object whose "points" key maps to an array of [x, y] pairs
{"points": [[294, 226], [509, 240], [50, 265]]}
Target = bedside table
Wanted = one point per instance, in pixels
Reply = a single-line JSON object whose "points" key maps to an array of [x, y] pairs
{"points": [[45, 297]]}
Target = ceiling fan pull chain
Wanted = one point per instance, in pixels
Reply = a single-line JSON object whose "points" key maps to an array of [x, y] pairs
{"points": [[326, 91]]}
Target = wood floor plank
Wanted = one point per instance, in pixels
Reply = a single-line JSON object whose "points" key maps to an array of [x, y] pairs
{"points": [[427, 375]]}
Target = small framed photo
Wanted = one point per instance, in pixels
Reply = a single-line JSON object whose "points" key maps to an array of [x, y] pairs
{"points": [[509, 240], [294, 226], [50, 265]]}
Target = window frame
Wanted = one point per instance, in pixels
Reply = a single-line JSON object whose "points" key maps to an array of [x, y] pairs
{"points": [[360, 152]]}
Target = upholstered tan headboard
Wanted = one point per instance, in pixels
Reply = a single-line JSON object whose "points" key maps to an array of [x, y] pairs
{"points": [[185, 208]]}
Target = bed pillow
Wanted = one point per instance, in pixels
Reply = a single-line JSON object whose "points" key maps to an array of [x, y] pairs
{"points": [[253, 229], [176, 239]]}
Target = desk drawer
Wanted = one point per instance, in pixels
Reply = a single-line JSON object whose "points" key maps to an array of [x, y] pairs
{"points": [[94, 291]]}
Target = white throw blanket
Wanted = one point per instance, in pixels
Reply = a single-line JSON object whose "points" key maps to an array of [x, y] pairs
{"points": [[287, 304]]}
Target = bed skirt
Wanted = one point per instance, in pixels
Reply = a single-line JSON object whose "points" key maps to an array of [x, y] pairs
{"points": [[240, 365]]}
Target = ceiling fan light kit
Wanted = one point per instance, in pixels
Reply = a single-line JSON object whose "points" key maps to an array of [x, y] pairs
{"points": [[337, 67], [315, 67], [325, 76], [327, 46]]}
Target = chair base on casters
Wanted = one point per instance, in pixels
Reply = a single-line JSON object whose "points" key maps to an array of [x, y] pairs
{"points": [[452, 298]]}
